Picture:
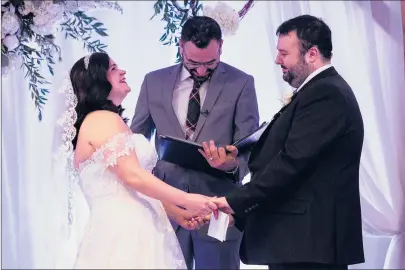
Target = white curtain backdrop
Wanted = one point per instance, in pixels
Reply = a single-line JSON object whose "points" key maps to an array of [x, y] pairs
{"points": [[368, 53]]}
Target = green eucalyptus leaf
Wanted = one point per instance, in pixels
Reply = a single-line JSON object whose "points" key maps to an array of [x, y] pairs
{"points": [[97, 24], [163, 37], [78, 26]]}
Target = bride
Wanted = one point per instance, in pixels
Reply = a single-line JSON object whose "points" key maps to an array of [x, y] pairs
{"points": [[127, 226]]}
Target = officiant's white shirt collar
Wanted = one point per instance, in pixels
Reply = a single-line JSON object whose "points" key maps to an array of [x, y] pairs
{"points": [[184, 74], [312, 75]]}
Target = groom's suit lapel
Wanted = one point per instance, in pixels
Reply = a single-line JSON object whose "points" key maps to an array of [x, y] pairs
{"points": [[326, 73]]}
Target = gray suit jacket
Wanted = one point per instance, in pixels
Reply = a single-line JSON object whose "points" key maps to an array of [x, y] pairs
{"points": [[232, 109]]}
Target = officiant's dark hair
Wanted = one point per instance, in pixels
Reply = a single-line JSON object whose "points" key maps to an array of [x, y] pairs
{"points": [[92, 88], [201, 30], [311, 31]]}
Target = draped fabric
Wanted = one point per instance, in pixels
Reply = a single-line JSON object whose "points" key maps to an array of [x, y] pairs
{"points": [[368, 53]]}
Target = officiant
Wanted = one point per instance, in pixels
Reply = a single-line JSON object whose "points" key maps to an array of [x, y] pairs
{"points": [[206, 101]]}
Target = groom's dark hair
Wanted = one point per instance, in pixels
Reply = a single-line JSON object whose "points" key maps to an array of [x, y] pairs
{"points": [[311, 31], [201, 30]]}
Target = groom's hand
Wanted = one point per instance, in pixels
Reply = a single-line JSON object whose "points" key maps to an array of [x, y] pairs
{"points": [[231, 221], [222, 205], [219, 157]]}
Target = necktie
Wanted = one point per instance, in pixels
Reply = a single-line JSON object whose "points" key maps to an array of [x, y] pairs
{"points": [[194, 107]]}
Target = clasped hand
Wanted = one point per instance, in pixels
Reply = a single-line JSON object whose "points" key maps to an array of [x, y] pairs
{"points": [[199, 209], [200, 205]]}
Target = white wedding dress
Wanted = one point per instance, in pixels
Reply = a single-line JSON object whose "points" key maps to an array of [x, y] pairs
{"points": [[126, 229]]}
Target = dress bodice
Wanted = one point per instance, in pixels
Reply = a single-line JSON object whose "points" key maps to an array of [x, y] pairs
{"points": [[98, 181], [126, 229]]}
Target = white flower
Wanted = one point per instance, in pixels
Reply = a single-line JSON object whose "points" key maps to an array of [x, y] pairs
{"points": [[74, 6], [46, 17], [9, 23], [43, 30], [287, 96], [11, 42], [225, 16], [27, 8]]}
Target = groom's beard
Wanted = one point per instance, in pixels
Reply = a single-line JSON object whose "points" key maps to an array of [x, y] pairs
{"points": [[296, 75]]}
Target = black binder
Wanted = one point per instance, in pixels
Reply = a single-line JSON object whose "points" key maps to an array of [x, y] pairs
{"points": [[185, 153], [251, 139]]}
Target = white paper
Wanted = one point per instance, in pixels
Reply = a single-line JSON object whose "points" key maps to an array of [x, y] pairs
{"points": [[218, 227]]}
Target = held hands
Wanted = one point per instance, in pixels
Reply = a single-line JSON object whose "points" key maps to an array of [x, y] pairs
{"points": [[197, 222], [222, 205], [199, 205], [218, 158], [190, 222]]}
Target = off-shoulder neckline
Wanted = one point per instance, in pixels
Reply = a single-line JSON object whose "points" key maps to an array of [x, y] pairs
{"points": [[101, 148]]}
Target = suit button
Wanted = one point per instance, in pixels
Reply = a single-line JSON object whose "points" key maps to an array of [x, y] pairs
{"points": [[246, 211]]}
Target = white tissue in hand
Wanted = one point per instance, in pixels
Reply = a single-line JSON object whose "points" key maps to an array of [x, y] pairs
{"points": [[218, 227]]}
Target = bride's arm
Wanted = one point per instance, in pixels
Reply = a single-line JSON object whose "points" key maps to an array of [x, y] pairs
{"points": [[100, 126], [172, 211]]}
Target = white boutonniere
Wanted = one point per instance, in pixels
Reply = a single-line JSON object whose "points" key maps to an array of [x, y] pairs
{"points": [[286, 98]]}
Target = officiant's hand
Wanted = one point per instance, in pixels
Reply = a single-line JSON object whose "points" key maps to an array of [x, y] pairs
{"points": [[218, 158]]}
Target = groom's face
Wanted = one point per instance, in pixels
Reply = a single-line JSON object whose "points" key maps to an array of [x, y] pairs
{"points": [[292, 60]]}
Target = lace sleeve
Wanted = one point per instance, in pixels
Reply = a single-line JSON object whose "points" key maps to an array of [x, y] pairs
{"points": [[124, 144]]}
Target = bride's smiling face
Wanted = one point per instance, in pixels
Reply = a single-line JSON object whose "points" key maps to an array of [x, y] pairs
{"points": [[116, 77]]}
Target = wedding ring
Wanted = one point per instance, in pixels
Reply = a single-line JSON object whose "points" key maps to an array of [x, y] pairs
{"points": [[211, 158]]}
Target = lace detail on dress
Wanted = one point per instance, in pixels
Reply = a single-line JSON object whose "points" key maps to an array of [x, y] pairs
{"points": [[123, 144], [127, 229]]}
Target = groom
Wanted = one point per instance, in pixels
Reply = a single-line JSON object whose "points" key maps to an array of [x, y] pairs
{"points": [[202, 99], [301, 209]]}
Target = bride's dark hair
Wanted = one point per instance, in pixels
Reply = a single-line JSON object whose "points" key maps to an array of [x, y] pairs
{"points": [[92, 88]]}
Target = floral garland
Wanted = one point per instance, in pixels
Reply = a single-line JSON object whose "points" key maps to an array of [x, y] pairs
{"points": [[27, 36], [176, 15]]}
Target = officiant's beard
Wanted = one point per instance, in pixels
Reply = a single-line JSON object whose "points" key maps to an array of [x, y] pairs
{"points": [[193, 73], [297, 74]]}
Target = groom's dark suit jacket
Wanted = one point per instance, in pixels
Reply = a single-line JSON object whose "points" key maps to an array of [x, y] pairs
{"points": [[302, 203]]}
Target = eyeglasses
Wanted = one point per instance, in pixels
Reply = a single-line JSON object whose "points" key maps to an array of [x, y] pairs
{"points": [[193, 65]]}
